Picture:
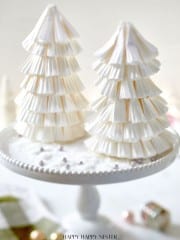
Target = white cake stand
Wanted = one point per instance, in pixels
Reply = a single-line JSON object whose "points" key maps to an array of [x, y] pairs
{"points": [[86, 220]]}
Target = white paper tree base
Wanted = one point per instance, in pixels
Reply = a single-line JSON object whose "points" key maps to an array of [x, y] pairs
{"points": [[86, 220]]}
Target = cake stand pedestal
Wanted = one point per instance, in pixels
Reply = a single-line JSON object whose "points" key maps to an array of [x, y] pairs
{"points": [[86, 220]]}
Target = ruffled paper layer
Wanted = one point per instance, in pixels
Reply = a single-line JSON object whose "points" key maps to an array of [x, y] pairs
{"points": [[51, 104], [128, 132], [70, 48], [128, 45], [136, 150], [125, 71], [141, 88], [49, 67], [50, 134], [52, 119], [51, 27], [52, 85], [134, 110]]}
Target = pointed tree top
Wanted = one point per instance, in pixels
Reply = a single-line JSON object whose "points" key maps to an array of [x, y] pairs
{"points": [[51, 9], [52, 27], [127, 45]]}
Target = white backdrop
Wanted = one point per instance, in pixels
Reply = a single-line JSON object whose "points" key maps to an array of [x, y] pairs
{"points": [[96, 20]]}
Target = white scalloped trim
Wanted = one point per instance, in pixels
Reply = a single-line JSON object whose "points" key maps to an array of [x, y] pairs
{"points": [[144, 168]]}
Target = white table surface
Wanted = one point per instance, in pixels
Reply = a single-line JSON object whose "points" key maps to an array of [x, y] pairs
{"points": [[163, 188]]}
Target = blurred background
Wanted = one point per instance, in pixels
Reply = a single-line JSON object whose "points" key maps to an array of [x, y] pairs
{"points": [[96, 21]]}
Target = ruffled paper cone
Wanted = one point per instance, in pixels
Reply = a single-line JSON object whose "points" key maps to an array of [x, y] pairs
{"points": [[51, 105], [129, 120]]}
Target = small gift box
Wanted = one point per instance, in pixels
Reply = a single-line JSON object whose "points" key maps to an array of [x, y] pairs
{"points": [[155, 216]]}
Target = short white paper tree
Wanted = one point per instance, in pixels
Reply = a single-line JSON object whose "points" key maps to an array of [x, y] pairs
{"points": [[130, 122], [51, 103]]}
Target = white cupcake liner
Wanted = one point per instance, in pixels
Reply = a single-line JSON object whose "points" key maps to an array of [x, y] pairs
{"points": [[133, 110], [146, 88], [52, 85], [127, 41], [128, 132], [51, 104], [159, 103], [50, 134], [122, 72], [136, 150], [103, 64], [128, 89], [117, 90], [48, 66], [51, 27], [152, 107], [71, 48], [52, 119]]}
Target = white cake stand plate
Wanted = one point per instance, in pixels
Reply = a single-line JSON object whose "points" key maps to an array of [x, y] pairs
{"points": [[73, 164]]}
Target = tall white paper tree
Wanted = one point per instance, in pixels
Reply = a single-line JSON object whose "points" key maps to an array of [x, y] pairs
{"points": [[51, 103], [130, 121]]}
